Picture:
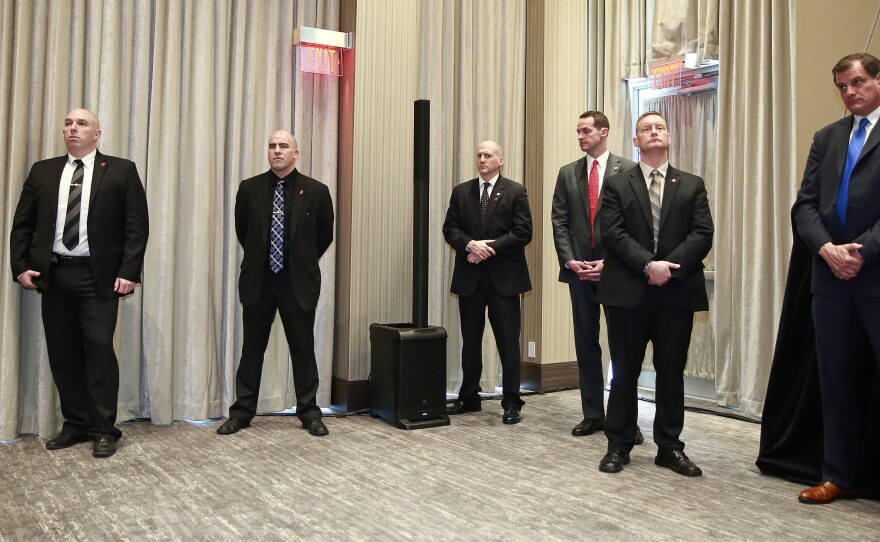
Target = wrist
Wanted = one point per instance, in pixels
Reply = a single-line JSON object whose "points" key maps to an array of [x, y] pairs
{"points": [[647, 267]]}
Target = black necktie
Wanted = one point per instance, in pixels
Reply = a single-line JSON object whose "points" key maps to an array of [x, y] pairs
{"points": [[70, 237], [484, 201]]}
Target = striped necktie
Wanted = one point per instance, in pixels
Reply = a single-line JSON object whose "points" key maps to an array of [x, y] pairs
{"points": [[654, 193], [70, 236]]}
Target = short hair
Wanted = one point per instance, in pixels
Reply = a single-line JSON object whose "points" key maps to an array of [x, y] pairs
{"points": [[648, 114], [868, 61], [599, 119]]}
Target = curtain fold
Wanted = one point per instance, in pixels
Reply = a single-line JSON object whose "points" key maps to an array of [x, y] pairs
{"points": [[190, 91], [757, 183]]}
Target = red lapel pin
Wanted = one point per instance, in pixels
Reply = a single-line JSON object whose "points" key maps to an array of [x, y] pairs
{"points": [[103, 164], [300, 191], [673, 180]]}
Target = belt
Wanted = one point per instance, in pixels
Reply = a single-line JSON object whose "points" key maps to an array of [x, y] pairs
{"points": [[60, 259]]}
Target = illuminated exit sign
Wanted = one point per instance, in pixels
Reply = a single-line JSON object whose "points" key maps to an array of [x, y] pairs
{"points": [[320, 60], [320, 51], [666, 75]]}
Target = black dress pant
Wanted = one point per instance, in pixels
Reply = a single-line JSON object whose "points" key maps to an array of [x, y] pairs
{"points": [[79, 326], [277, 296], [629, 330], [586, 343], [504, 316], [847, 344]]}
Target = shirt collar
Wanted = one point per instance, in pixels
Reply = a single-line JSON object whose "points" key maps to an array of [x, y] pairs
{"points": [[872, 117], [87, 160], [602, 159], [491, 181], [646, 169]]}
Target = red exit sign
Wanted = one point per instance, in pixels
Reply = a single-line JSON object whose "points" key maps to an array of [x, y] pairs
{"points": [[666, 75], [323, 60]]}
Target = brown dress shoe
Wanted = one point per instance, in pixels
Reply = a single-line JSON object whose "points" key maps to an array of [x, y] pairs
{"points": [[826, 493]]}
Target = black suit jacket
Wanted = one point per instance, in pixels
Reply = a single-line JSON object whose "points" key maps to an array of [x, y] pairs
{"points": [[118, 223], [308, 233], [815, 214], [571, 213], [508, 222], [627, 234]]}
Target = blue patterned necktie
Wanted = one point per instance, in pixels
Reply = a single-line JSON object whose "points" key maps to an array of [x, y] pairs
{"points": [[276, 229], [70, 235], [852, 156], [484, 201]]}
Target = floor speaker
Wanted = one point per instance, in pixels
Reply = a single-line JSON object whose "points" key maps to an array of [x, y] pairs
{"points": [[408, 375]]}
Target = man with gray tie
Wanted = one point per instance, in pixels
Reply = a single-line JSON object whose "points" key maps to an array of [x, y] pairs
{"points": [[78, 236]]}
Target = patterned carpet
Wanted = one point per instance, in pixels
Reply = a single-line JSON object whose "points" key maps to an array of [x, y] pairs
{"points": [[473, 480]]}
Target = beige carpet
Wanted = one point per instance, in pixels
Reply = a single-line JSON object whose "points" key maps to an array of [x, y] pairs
{"points": [[474, 480]]}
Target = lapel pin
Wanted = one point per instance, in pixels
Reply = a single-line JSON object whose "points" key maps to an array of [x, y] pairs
{"points": [[103, 164], [673, 180], [300, 191]]}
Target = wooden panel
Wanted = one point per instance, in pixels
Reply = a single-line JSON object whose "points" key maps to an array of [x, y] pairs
{"points": [[549, 376]]}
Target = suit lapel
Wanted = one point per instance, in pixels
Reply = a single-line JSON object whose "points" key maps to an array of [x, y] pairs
{"points": [[640, 190], [840, 143], [583, 182], [872, 141], [670, 187], [99, 167], [55, 181], [473, 202], [263, 204], [296, 205]]}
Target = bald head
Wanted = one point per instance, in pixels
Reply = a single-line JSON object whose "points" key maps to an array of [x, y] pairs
{"points": [[283, 152], [489, 159], [82, 130]]}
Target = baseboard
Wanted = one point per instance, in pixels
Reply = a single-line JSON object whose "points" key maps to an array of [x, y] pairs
{"points": [[543, 377], [349, 395]]}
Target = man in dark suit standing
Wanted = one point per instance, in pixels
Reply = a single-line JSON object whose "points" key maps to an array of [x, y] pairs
{"points": [[489, 223], [284, 222], [837, 212], [579, 248], [78, 236], [656, 230]]}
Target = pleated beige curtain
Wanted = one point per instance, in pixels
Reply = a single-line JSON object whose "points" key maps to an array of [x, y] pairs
{"points": [[616, 44], [757, 182], [189, 90], [684, 26], [474, 97]]}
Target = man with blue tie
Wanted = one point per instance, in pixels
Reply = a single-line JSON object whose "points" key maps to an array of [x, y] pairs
{"points": [[837, 212], [284, 222]]}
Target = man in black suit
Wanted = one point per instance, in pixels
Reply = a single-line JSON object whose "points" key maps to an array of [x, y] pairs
{"points": [[78, 236], [579, 248], [837, 212], [656, 230], [489, 223], [284, 222]]}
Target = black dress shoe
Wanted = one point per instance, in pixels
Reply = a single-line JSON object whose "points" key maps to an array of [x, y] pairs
{"points": [[588, 427], [614, 461], [104, 447], [460, 408], [678, 462], [639, 438], [316, 427], [63, 440], [232, 425], [511, 416]]}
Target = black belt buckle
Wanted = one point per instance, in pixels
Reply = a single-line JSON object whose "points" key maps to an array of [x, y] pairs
{"points": [[60, 259]]}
